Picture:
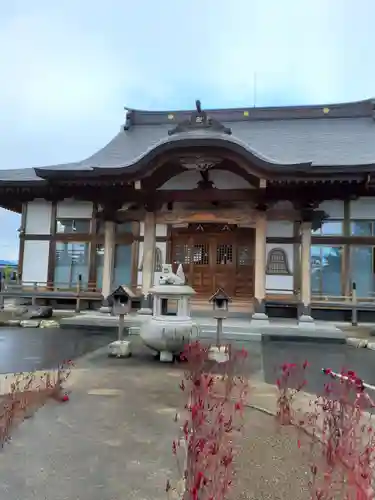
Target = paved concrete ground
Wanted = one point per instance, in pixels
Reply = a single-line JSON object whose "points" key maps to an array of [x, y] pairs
{"points": [[24, 349], [27, 349], [112, 441]]}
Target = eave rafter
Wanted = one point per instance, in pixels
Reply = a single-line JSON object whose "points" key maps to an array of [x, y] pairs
{"points": [[116, 195]]}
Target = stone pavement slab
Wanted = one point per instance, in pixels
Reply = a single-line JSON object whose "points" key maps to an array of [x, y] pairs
{"points": [[233, 329]]}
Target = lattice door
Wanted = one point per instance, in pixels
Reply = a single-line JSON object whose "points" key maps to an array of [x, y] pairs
{"points": [[200, 267], [244, 286], [225, 261], [224, 254], [181, 255], [201, 254]]}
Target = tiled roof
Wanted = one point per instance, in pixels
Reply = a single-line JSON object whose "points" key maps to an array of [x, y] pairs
{"points": [[331, 135]]}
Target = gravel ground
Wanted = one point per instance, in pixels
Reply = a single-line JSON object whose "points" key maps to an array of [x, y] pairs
{"points": [[269, 464]]}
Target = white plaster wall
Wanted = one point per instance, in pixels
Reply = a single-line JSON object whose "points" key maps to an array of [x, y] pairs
{"points": [[222, 179], [363, 208], [161, 229], [281, 284], [163, 248], [279, 229], [35, 261], [38, 217], [334, 208], [73, 209]]}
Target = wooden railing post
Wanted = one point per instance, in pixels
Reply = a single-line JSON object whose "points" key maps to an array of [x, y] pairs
{"points": [[79, 288], [354, 304], [2, 298], [35, 291]]}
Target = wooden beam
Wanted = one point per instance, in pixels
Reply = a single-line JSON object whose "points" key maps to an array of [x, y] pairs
{"points": [[200, 195], [343, 240], [113, 193]]}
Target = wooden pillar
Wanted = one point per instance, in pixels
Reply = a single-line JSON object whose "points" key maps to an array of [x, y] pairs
{"points": [[92, 281], [306, 268], [260, 268], [346, 284], [109, 254], [22, 232], [135, 253], [149, 243], [52, 248], [296, 259]]}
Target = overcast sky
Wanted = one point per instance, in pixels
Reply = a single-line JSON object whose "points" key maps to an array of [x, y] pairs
{"points": [[68, 68]]}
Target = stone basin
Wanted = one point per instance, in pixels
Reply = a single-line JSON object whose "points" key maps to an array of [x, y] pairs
{"points": [[164, 333], [168, 333]]}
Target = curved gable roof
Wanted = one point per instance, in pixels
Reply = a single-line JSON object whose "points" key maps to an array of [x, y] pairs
{"points": [[340, 135]]}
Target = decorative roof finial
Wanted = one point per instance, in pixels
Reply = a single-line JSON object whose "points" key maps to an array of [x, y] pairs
{"points": [[200, 120]]}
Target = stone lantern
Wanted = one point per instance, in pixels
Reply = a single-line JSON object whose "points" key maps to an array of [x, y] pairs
{"points": [[165, 332], [220, 301], [121, 305]]}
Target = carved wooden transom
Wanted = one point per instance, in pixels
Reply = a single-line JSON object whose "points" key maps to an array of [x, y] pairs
{"points": [[199, 162]]}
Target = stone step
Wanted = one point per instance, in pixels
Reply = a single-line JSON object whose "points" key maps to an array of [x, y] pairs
{"points": [[236, 303]]}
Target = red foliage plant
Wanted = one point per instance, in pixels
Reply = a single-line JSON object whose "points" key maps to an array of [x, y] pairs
{"points": [[216, 392], [23, 393], [290, 382], [338, 423]]}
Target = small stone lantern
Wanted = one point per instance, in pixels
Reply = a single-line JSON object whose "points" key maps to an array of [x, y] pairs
{"points": [[220, 301], [121, 305]]}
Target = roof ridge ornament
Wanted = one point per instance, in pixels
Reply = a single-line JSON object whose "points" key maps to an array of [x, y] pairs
{"points": [[200, 120], [129, 118]]}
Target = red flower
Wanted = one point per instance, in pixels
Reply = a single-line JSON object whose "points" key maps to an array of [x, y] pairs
{"points": [[200, 477], [64, 398], [238, 406], [359, 384], [194, 411], [244, 353], [227, 460]]}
